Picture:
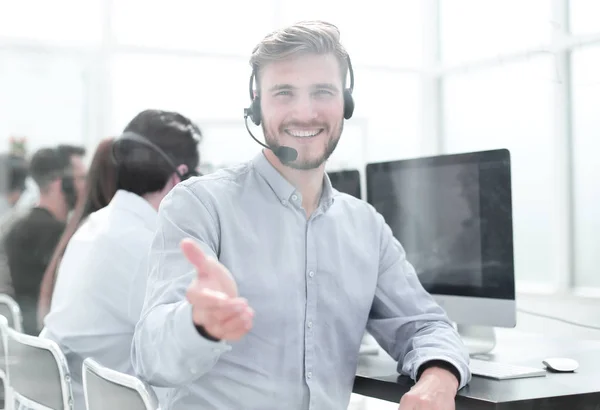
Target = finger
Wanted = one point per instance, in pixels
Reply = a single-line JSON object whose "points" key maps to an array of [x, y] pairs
{"points": [[406, 403], [205, 298], [193, 253], [229, 309], [237, 326]]}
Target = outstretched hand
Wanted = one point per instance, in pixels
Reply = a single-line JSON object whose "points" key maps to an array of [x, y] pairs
{"points": [[213, 295]]}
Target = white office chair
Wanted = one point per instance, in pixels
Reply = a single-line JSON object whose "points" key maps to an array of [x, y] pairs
{"points": [[107, 389], [38, 373], [10, 309]]}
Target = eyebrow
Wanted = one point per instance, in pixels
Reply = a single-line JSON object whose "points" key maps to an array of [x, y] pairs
{"points": [[280, 87]]}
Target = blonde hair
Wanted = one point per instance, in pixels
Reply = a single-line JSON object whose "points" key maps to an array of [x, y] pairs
{"points": [[304, 37]]}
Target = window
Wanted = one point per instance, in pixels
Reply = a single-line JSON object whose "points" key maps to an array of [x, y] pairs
{"points": [[511, 106], [586, 168], [389, 104], [584, 16], [376, 32], [475, 29], [222, 27], [227, 142], [42, 98], [199, 88], [64, 22]]}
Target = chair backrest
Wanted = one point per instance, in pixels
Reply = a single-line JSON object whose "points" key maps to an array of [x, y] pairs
{"points": [[108, 389], [3, 350], [10, 309], [4, 382], [38, 371]]}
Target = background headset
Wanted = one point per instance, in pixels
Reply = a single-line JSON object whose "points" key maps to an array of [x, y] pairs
{"points": [[67, 181], [288, 154], [67, 185], [135, 137]]}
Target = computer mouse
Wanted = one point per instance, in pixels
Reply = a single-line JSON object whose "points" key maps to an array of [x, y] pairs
{"points": [[561, 364]]}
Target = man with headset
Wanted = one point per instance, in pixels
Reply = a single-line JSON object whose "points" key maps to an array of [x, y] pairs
{"points": [[13, 171], [60, 175], [100, 284], [280, 274]]}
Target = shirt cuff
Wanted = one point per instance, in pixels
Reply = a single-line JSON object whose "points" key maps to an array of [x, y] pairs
{"points": [[443, 364], [190, 341]]}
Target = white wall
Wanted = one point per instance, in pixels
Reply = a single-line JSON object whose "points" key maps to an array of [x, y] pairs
{"points": [[586, 161]]}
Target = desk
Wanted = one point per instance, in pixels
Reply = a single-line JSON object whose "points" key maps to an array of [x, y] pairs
{"points": [[377, 377]]}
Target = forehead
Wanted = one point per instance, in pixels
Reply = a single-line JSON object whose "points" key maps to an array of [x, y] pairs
{"points": [[302, 71]]}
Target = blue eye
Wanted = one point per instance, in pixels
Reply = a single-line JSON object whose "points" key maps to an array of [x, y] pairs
{"points": [[285, 92]]}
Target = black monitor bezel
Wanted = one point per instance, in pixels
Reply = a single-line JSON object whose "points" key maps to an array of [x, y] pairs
{"points": [[349, 173], [502, 221]]}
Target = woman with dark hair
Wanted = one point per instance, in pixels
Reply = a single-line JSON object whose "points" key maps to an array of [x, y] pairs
{"points": [[101, 185]]}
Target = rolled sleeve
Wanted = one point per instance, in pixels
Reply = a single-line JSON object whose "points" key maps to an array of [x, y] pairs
{"points": [[405, 319], [190, 342]]}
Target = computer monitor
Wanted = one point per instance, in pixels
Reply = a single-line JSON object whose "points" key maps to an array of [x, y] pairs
{"points": [[453, 216], [346, 181]]}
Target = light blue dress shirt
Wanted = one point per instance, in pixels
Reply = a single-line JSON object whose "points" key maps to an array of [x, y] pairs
{"points": [[314, 283]]}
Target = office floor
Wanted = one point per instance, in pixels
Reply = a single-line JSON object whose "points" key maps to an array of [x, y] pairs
{"points": [[582, 310]]}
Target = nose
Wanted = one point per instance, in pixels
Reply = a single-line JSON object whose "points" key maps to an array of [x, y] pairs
{"points": [[304, 109]]}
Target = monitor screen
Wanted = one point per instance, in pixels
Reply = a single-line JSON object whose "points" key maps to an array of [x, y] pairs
{"points": [[347, 181], [453, 216]]}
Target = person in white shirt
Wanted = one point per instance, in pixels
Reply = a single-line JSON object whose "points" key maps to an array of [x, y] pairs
{"points": [[99, 292]]}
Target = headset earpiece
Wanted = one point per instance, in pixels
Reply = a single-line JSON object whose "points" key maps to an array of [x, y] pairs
{"points": [[348, 104], [254, 111], [68, 189], [255, 114]]}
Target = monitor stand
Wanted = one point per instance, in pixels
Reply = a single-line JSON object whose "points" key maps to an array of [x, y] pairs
{"points": [[477, 339]]}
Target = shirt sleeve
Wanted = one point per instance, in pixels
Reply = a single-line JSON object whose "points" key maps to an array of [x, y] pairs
{"points": [[405, 319], [167, 350]]}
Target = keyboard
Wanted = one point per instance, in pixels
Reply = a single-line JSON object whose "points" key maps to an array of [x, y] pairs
{"points": [[503, 371]]}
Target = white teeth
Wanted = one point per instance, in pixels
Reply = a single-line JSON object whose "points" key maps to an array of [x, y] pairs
{"points": [[303, 134]]}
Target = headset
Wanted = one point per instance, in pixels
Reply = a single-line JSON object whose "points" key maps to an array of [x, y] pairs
{"points": [[67, 181], [288, 154], [67, 185], [135, 137]]}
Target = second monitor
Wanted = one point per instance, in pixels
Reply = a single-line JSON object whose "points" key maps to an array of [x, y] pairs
{"points": [[453, 216], [346, 181]]}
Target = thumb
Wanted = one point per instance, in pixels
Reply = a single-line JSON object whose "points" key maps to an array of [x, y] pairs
{"points": [[194, 254]]}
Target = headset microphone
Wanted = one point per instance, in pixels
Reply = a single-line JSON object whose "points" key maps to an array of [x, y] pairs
{"points": [[285, 154]]}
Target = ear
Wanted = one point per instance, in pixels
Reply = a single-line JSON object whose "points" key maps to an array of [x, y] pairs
{"points": [[182, 169], [55, 185]]}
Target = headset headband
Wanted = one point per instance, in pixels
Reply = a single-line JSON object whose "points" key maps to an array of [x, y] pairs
{"points": [[132, 136]]}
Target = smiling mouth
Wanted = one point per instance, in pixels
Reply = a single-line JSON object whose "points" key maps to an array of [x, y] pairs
{"points": [[304, 133]]}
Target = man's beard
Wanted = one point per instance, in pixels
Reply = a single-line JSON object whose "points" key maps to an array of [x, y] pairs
{"points": [[307, 164]]}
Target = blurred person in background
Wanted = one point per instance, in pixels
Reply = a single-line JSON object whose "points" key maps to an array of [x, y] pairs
{"points": [[13, 171], [101, 279], [60, 175], [101, 185]]}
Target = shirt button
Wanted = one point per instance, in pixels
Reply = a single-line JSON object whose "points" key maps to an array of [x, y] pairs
{"points": [[283, 202], [311, 274], [309, 375], [294, 197], [309, 324]]}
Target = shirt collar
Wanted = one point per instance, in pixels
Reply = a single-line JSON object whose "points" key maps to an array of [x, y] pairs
{"points": [[285, 191], [130, 202]]}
